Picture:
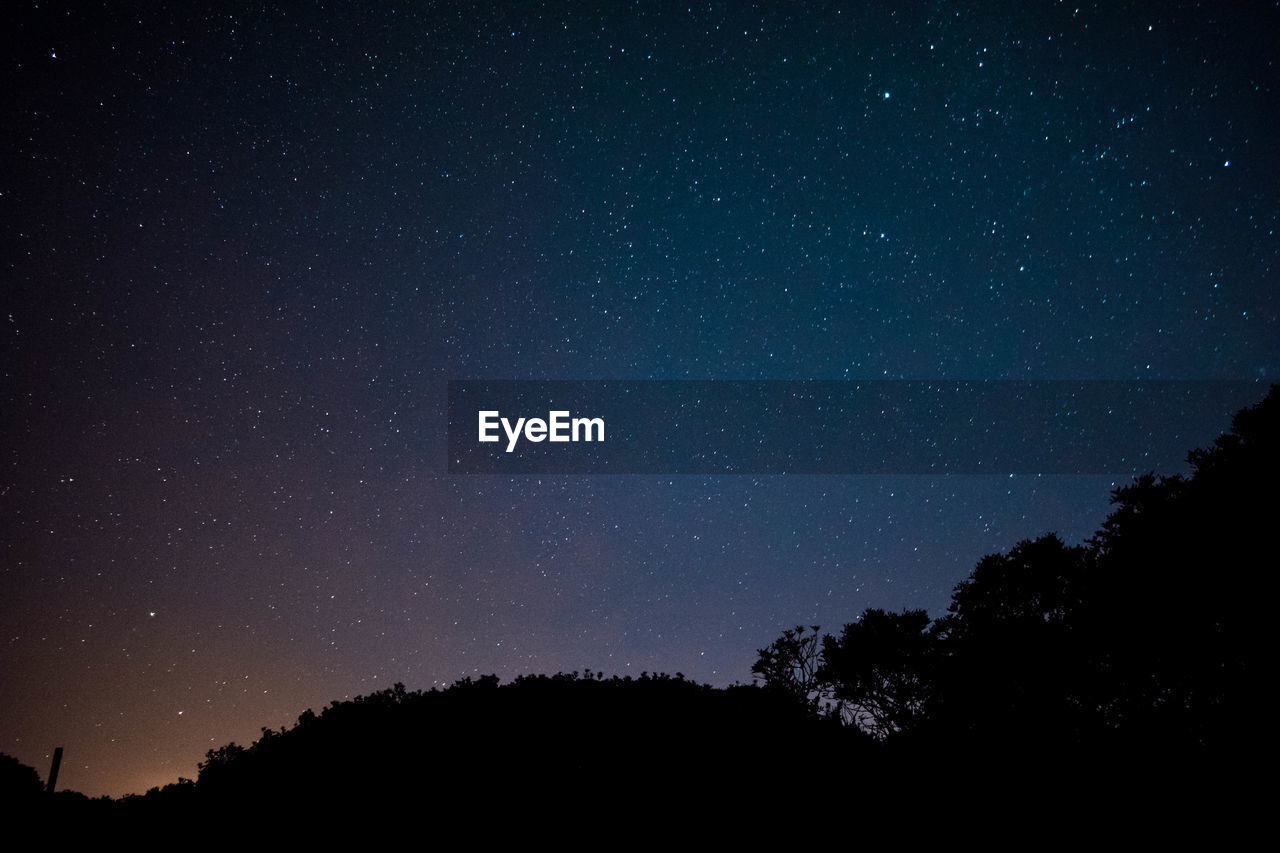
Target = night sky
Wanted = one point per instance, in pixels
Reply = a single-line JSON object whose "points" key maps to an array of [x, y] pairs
{"points": [[244, 251]]}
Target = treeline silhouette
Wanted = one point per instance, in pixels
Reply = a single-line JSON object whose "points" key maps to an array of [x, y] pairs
{"points": [[1130, 666], [1150, 636], [1137, 657]]}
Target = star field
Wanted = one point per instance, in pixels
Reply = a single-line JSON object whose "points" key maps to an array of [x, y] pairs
{"points": [[245, 250]]}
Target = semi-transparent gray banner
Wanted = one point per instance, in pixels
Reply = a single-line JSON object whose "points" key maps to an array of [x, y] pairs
{"points": [[832, 427]]}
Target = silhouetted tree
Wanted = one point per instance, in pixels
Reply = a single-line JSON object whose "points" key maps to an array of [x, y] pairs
{"points": [[880, 669], [1178, 606], [1012, 667], [790, 665]]}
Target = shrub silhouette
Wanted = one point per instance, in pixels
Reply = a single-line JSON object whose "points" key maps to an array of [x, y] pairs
{"points": [[18, 782]]}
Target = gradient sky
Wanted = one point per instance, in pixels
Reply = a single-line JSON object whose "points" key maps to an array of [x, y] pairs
{"points": [[244, 251]]}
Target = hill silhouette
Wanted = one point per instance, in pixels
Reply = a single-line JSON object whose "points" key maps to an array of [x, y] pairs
{"points": [[597, 747], [1129, 666]]}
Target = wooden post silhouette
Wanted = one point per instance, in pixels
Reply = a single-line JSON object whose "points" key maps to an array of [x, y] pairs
{"points": [[53, 770]]}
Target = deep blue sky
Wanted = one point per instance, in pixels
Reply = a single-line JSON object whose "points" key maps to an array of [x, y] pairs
{"points": [[245, 250]]}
